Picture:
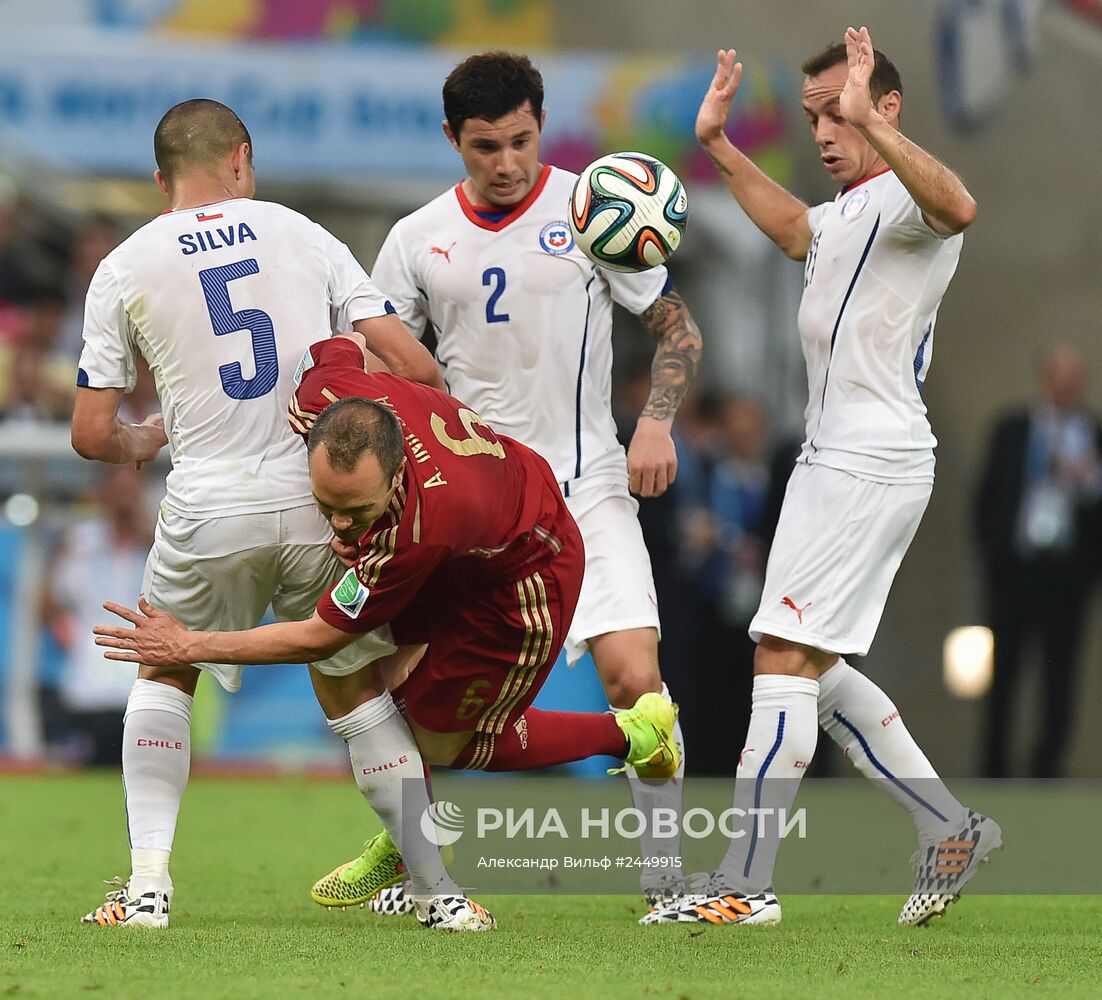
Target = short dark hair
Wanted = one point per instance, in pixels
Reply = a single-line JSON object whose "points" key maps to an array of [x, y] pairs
{"points": [[197, 133], [353, 427], [885, 77], [490, 85]]}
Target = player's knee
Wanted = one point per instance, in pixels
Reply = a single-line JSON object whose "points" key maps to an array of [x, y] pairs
{"points": [[184, 678], [340, 694], [789, 659], [627, 684], [437, 757], [627, 663], [441, 749]]}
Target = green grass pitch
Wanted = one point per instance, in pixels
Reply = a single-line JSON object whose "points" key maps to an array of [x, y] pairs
{"points": [[243, 925]]}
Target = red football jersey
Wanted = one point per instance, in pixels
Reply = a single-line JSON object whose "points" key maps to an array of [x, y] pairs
{"points": [[473, 508]]}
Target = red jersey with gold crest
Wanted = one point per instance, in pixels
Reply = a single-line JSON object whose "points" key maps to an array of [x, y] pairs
{"points": [[473, 510]]}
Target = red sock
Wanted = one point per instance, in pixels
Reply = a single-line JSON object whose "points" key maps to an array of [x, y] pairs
{"points": [[544, 739]]}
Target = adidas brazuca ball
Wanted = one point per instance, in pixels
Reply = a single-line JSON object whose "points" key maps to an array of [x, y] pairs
{"points": [[628, 211]]}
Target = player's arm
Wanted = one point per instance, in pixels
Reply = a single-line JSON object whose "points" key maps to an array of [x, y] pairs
{"points": [[356, 301], [106, 370], [775, 211], [389, 340], [946, 205], [652, 459], [158, 639], [392, 273], [98, 433]]}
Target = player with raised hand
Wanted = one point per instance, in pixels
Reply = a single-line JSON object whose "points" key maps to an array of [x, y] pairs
{"points": [[878, 261], [222, 294], [523, 321]]}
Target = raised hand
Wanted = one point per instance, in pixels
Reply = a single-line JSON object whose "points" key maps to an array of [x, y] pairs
{"points": [[716, 104], [855, 102], [157, 639]]}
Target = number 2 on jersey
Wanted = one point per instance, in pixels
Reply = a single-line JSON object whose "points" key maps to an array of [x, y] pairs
{"points": [[494, 276], [224, 320]]}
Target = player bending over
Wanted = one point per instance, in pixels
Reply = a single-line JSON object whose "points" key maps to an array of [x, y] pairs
{"points": [[465, 546]]}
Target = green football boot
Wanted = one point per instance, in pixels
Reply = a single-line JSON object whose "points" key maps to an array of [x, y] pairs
{"points": [[357, 881], [652, 748]]}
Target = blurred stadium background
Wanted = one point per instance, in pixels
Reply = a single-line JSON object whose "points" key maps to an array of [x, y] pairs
{"points": [[343, 101]]}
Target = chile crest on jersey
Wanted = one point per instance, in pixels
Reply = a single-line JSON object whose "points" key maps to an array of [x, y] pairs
{"points": [[556, 238], [855, 204]]}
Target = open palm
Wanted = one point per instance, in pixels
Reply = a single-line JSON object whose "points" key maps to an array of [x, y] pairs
{"points": [[716, 104], [855, 102]]}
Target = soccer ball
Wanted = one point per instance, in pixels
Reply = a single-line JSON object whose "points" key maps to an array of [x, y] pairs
{"points": [[628, 211]]}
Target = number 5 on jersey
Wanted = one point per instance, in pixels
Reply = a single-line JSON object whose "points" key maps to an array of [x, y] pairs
{"points": [[224, 320]]}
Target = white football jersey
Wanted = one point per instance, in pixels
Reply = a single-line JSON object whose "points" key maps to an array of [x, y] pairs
{"points": [[523, 320], [222, 301], [873, 280]]}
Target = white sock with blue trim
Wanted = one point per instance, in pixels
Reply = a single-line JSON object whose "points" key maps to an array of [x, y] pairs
{"points": [[864, 722], [780, 743]]}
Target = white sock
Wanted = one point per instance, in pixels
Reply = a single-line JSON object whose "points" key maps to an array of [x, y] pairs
{"points": [[780, 743], [649, 797], [156, 759], [864, 722], [390, 773]]}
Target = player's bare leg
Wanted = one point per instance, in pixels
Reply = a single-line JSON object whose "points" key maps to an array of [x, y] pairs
{"points": [[156, 760], [627, 663]]}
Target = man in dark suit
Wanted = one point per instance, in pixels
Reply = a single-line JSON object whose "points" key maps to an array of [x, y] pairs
{"points": [[1037, 518]]}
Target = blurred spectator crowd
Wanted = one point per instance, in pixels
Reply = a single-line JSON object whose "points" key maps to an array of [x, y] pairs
{"points": [[45, 266], [98, 524]]}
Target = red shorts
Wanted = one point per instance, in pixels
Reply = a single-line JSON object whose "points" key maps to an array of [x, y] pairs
{"points": [[490, 645]]}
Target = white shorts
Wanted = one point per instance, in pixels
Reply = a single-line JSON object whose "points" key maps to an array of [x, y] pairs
{"points": [[839, 543], [221, 574], [618, 587]]}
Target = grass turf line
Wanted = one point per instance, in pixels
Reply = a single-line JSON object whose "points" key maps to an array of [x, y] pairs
{"points": [[243, 925]]}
